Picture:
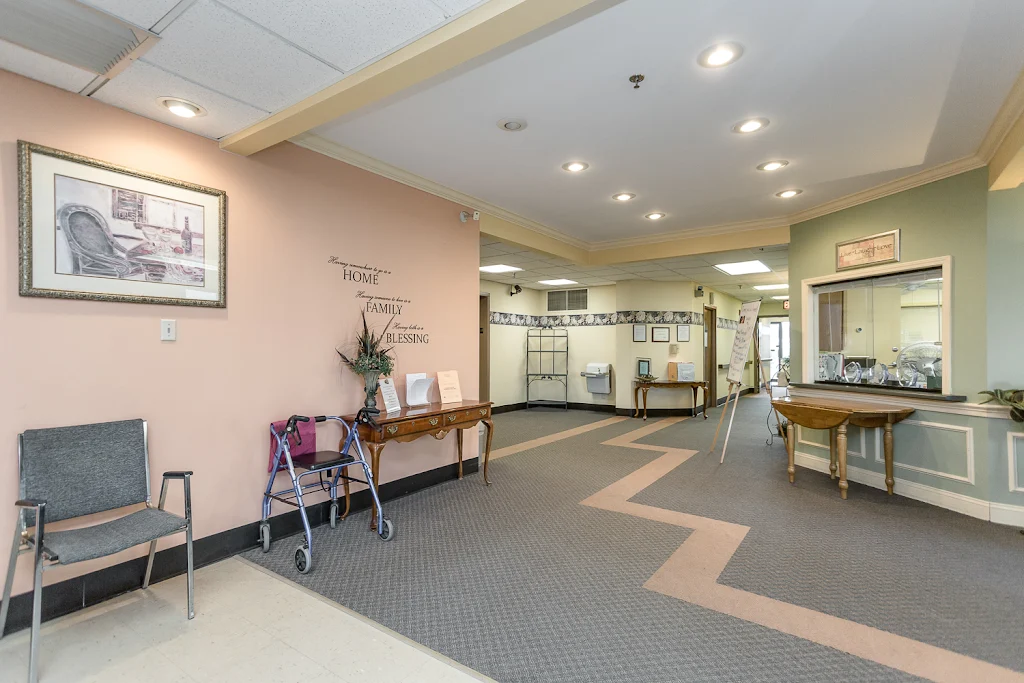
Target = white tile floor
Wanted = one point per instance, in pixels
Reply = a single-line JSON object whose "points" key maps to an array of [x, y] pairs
{"points": [[250, 625]]}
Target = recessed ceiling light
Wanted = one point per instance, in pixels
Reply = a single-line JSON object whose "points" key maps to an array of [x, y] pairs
{"points": [[787, 194], [512, 125], [743, 268], [720, 55], [498, 269], [750, 125], [557, 283], [765, 288], [623, 196], [773, 165], [182, 108], [656, 216], [575, 166], [781, 298]]}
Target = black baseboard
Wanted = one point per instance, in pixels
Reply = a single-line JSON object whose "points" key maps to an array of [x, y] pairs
{"points": [[511, 407], [595, 407], [89, 589]]}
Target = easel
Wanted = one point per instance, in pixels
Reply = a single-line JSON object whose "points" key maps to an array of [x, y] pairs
{"points": [[737, 385]]}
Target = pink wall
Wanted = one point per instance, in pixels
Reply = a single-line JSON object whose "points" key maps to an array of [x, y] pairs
{"points": [[210, 395]]}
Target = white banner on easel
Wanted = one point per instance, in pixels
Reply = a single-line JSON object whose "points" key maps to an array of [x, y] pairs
{"points": [[741, 344]]}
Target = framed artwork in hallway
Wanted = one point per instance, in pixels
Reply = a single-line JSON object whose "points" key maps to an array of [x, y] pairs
{"points": [[661, 334], [639, 333], [93, 230]]}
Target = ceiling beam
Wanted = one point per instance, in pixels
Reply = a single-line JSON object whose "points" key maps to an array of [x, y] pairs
{"points": [[479, 31], [691, 246], [1006, 169]]}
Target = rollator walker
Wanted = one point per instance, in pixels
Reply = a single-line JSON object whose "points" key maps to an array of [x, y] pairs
{"points": [[317, 463]]}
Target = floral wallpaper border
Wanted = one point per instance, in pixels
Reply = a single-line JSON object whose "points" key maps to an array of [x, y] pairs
{"points": [[598, 319]]}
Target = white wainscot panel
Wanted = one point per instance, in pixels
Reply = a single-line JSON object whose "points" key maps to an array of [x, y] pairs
{"points": [[964, 452]]}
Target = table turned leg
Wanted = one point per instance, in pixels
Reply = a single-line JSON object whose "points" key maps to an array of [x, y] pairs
{"points": [[487, 451], [694, 387], [833, 451], [458, 440], [645, 389], [375, 449], [841, 447], [887, 442], [791, 451], [704, 390]]}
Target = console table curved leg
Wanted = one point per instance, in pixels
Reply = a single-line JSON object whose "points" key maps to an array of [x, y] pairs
{"points": [[841, 444], [833, 451], [791, 451], [487, 452], [636, 401], [458, 440], [348, 500], [645, 403], [887, 442]]}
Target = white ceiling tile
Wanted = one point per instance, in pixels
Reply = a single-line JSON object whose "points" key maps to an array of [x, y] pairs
{"points": [[18, 60], [345, 33], [213, 46], [487, 250], [138, 87], [142, 13], [451, 7]]}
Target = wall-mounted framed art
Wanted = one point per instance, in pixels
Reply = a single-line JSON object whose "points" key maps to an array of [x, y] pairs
{"points": [[640, 333], [868, 251], [682, 333], [93, 230], [661, 334], [643, 367]]}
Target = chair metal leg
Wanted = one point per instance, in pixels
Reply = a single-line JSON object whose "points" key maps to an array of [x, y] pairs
{"points": [[37, 598], [149, 564], [9, 584], [188, 548]]}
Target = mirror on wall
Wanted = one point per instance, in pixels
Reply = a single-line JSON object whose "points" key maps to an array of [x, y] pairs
{"points": [[883, 331]]}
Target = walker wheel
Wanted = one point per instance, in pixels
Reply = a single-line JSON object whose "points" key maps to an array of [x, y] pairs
{"points": [[334, 515], [303, 560], [386, 530], [265, 536]]}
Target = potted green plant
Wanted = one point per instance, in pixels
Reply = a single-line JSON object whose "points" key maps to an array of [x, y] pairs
{"points": [[370, 360], [1012, 398]]}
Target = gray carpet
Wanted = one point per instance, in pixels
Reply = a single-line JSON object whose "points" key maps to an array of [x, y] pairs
{"points": [[521, 582], [525, 425], [885, 561]]}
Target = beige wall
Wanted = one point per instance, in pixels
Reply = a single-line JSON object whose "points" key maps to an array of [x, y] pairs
{"points": [[508, 342], [210, 395]]}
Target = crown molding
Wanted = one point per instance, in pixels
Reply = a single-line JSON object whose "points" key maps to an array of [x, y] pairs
{"points": [[663, 237], [930, 175], [1006, 117], [350, 156]]}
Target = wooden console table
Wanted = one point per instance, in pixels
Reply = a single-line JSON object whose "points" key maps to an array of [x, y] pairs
{"points": [[834, 415], [640, 385], [436, 420]]}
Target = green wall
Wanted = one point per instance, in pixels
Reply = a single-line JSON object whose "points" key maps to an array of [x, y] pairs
{"points": [[1005, 289], [944, 218]]}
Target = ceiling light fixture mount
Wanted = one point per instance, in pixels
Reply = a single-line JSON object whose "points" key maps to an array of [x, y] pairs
{"points": [[636, 80], [773, 165], [719, 55], [751, 125], [182, 108], [575, 166], [788, 194], [557, 283], [655, 216], [513, 125], [623, 196]]}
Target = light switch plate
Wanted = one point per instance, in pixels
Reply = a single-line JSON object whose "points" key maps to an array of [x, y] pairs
{"points": [[168, 330]]}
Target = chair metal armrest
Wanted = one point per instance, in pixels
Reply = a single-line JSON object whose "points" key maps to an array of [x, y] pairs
{"points": [[177, 475], [186, 480], [30, 503]]}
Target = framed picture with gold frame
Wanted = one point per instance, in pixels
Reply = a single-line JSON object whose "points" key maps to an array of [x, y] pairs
{"points": [[98, 231]]}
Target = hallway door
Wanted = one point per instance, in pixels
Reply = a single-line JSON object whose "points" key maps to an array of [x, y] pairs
{"points": [[485, 348], [711, 352]]}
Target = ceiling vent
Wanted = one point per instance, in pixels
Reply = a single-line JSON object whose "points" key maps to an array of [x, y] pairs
{"points": [[74, 34]]}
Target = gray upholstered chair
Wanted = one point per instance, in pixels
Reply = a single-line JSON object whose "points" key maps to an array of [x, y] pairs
{"points": [[69, 472]]}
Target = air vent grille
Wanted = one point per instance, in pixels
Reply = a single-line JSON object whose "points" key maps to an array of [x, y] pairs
{"points": [[567, 300], [74, 34]]}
